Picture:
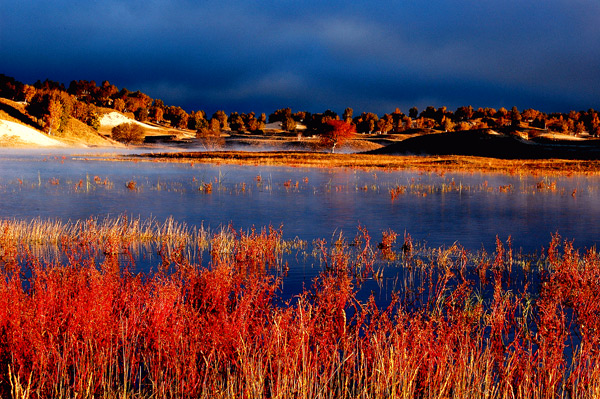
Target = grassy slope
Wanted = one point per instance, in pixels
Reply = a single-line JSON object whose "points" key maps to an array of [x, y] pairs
{"points": [[15, 112], [76, 132]]}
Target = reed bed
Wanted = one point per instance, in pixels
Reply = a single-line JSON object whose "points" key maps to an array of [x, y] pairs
{"points": [[462, 325], [443, 163], [126, 229]]}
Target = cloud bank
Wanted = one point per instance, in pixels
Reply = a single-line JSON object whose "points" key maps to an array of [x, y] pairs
{"points": [[263, 55]]}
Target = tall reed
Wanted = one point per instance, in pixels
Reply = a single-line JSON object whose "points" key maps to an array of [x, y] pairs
{"points": [[463, 326]]}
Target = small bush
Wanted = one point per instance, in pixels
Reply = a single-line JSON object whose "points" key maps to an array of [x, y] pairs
{"points": [[128, 133]]}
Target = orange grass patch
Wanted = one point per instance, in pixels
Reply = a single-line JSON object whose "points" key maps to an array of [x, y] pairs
{"points": [[385, 162]]}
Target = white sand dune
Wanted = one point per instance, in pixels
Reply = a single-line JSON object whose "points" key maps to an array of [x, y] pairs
{"points": [[12, 133], [114, 118]]}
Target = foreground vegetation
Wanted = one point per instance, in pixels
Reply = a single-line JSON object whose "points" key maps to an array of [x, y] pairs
{"points": [[85, 323]]}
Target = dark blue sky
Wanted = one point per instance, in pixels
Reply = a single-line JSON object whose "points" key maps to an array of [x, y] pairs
{"points": [[313, 55]]}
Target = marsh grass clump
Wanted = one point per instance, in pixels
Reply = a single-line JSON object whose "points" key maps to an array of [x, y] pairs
{"points": [[132, 185], [85, 324]]}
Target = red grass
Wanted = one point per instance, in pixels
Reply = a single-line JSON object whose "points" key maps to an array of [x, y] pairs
{"points": [[88, 326]]}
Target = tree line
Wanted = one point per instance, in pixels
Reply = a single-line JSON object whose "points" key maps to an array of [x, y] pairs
{"points": [[52, 103]]}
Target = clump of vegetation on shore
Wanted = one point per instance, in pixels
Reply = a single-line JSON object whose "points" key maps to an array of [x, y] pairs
{"points": [[459, 325], [128, 133]]}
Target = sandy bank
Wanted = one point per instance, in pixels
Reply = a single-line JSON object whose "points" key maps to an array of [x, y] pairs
{"points": [[113, 119], [15, 134]]}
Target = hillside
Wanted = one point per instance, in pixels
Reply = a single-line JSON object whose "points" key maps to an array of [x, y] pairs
{"points": [[14, 134], [492, 144], [18, 128]]}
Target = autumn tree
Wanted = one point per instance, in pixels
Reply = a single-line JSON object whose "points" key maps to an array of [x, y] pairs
{"points": [[447, 124], [515, 117], [480, 125], [119, 105], [540, 121], [386, 123], [329, 115], [413, 112], [501, 121], [141, 114], [501, 117], [52, 116], [288, 124], [197, 120], [594, 122], [366, 122], [336, 132], [128, 133], [209, 135], [27, 93], [155, 114], [83, 90], [529, 115], [214, 125], [135, 101], [397, 120], [176, 116], [484, 113], [49, 85], [87, 113], [105, 93], [462, 126], [429, 112], [252, 124], [425, 123], [221, 116], [280, 115], [236, 122], [300, 116], [502, 112], [347, 115], [262, 121], [9, 87], [315, 123], [464, 113], [52, 108]]}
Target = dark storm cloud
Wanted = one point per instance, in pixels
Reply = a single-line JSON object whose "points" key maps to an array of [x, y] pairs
{"points": [[265, 55]]}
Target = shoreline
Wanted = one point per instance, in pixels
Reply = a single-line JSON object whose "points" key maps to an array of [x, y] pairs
{"points": [[428, 163]]}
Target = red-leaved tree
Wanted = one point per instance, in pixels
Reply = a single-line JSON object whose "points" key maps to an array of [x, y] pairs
{"points": [[336, 132]]}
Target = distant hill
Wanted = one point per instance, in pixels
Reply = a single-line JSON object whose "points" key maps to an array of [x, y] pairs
{"points": [[489, 143]]}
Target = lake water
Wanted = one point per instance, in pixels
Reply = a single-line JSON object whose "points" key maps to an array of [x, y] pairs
{"points": [[471, 209], [309, 203]]}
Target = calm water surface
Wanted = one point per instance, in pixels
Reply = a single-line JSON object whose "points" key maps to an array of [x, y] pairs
{"points": [[471, 209]]}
